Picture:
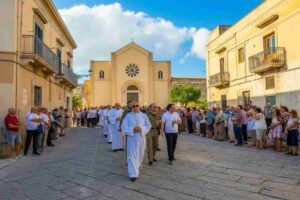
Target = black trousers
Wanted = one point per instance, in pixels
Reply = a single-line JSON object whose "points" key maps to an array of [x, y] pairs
{"points": [[93, 121], [82, 121], [190, 125], [49, 137], [269, 122], [245, 135], [31, 135], [171, 144]]}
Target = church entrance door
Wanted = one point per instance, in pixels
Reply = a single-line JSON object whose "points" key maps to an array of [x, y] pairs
{"points": [[132, 93]]}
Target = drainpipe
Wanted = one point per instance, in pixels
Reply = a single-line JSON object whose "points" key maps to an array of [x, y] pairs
{"points": [[18, 49]]}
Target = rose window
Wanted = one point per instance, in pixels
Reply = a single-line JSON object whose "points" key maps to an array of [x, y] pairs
{"points": [[132, 70]]}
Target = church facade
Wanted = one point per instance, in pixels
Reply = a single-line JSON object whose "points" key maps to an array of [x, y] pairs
{"points": [[130, 75]]}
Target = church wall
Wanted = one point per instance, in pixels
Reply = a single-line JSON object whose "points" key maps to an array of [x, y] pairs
{"points": [[162, 86], [101, 88], [132, 56], [113, 87]]}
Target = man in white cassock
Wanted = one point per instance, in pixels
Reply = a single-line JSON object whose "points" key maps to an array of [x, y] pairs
{"points": [[114, 119], [109, 124], [135, 125], [104, 122], [100, 112]]}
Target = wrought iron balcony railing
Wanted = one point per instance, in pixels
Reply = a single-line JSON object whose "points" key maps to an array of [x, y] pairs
{"points": [[36, 48], [67, 74], [270, 58], [220, 79]]}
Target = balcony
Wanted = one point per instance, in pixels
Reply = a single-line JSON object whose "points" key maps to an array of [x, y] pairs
{"points": [[271, 58], [66, 75], [44, 58], [219, 80]]}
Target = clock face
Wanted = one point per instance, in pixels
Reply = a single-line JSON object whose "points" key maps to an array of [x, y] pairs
{"points": [[132, 70]]}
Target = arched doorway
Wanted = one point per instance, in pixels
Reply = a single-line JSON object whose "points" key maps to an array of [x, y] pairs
{"points": [[132, 93]]}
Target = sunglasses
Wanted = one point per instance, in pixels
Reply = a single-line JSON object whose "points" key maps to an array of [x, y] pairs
{"points": [[135, 106]]}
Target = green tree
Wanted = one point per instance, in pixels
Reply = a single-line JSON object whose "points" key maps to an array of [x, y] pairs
{"points": [[76, 101], [184, 94], [202, 103]]}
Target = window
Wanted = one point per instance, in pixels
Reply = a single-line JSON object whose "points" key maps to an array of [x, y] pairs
{"points": [[160, 75], [38, 31], [241, 53], [38, 39], [270, 82], [59, 60], [37, 96], [270, 43], [222, 70], [69, 64], [246, 98], [224, 101], [68, 102], [132, 70], [271, 100], [101, 74]]}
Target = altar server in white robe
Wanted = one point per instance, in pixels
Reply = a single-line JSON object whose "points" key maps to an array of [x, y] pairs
{"points": [[117, 137], [105, 122], [135, 125], [100, 113], [109, 124]]}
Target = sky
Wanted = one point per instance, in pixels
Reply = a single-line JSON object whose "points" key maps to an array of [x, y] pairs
{"points": [[174, 30]]}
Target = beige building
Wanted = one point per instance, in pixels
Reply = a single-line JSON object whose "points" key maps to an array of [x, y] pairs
{"points": [[36, 56], [84, 91], [257, 59], [130, 75], [198, 82]]}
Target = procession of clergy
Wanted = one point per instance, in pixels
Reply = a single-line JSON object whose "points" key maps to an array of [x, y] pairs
{"points": [[133, 130]]}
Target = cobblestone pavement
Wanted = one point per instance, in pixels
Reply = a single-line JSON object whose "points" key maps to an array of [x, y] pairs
{"points": [[82, 166]]}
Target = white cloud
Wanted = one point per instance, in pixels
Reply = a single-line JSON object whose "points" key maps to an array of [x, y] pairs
{"points": [[200, 40], [101, 29]]}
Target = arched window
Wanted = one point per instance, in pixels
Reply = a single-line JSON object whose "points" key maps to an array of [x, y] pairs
{"points": [[101, 74], [160, 75]]}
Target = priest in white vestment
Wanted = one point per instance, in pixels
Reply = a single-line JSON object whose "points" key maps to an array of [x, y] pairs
{"points": [[109, 124], [114, 119], [105, 122], [135, 125]]}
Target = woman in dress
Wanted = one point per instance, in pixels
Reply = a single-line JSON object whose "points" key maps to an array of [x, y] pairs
{"points": [[292, 134], [250, 126], [276, 129], [220, 123], [210, 118], [202, 123], [260, 127]]}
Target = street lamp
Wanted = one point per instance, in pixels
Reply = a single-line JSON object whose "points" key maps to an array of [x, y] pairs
{"points": [[90, 72]]}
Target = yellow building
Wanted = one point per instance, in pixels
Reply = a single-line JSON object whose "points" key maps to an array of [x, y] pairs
{"points": [[130, 75], [257, 59], [36, 56]]}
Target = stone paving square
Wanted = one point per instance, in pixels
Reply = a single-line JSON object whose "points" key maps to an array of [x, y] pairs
{"points": [[83, 166]]}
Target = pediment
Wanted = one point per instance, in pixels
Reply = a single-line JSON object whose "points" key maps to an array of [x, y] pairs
{"points": [[130, 46]]}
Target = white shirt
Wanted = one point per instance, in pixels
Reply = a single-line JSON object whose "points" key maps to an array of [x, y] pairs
{"points": [[45, 118], [168, 119], [30, 125], [93, 113], [291, 121]]}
